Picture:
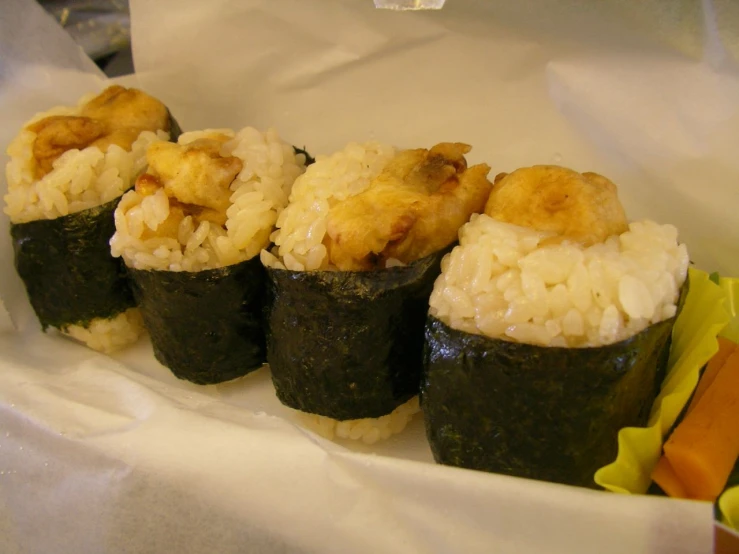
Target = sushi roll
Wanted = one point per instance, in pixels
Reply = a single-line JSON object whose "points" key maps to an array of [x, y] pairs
{"points": [[549, 328], [356, 254], [190, 232], [68, 168]]}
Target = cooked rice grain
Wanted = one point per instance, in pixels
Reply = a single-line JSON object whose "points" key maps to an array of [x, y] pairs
{"points": [[108, 335], [368, 430]]}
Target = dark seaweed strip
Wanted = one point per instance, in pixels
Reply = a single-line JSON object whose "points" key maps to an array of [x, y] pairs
{"points": [[66, 266], [655, 490], [349, 345], [308, 158], [205, 326], [531, 411], [733, 480], [174, 128]]}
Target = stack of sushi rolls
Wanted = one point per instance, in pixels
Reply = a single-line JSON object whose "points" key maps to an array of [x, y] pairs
{"points": [[549, 328], [68, 168], [355, 255], [190, 232]]}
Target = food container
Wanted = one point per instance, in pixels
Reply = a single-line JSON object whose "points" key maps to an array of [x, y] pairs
{"points": [[111, 453]]}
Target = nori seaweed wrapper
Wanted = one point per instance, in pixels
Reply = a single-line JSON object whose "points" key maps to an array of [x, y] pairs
{"points": [[349, 345], [205, 326], [308, 158], [66, 266], [532, 411], [174, 128]]}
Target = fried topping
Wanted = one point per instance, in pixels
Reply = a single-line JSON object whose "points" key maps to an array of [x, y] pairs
{"points": [[195, 177], [412, 209], [116, 116], [580, 207]]}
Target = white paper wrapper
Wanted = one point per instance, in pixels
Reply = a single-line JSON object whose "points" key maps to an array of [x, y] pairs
{"points": [[103, 454]]}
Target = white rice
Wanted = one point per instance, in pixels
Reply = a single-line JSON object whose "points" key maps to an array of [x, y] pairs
{"points": [[500, 283], [301, 227], [368, 430], [80, 179], [108, 335], [259, 194]]}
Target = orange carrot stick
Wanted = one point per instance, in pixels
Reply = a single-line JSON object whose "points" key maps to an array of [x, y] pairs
{"points": [[704, 447], [664, 475], [725, 349]]}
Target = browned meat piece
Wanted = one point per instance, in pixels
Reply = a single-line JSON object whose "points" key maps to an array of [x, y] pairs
{"points": [[195, 178], [122, 108], [413, 208], [147, 184], [116, 116], [196, 174], [57, 134], [581, 207]]}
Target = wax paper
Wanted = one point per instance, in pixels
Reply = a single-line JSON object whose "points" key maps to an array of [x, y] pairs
{"points": [[113, 454]]}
